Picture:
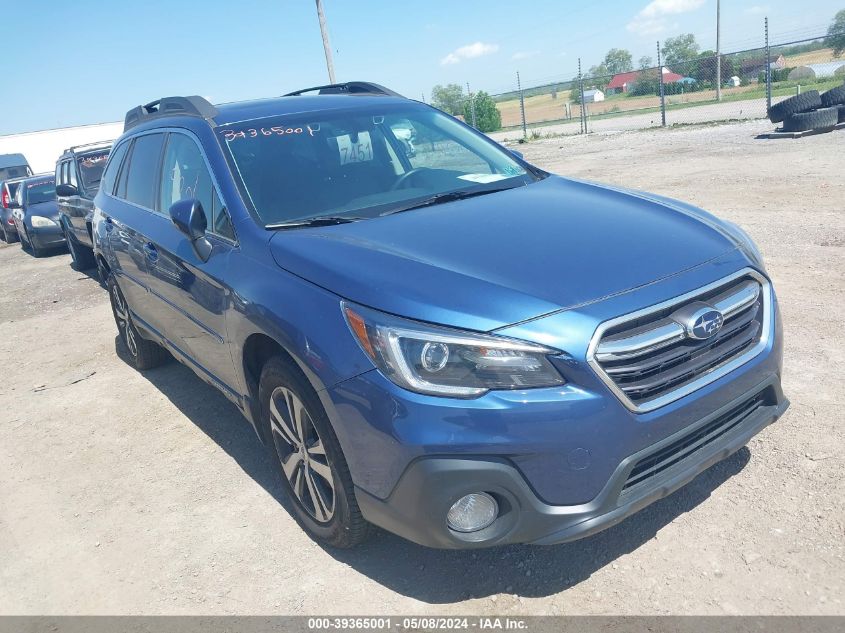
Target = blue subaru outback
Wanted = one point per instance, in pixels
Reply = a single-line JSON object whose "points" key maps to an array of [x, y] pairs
{"points": [[433, 335]]}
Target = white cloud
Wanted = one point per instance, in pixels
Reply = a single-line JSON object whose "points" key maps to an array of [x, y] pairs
{"points": [[758, 9], [653, 17], [524, 55], [470, 51]]}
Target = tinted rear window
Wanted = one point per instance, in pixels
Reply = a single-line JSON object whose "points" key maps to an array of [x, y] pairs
{"points": [[91, 168], [113, 167], [143, 169]]}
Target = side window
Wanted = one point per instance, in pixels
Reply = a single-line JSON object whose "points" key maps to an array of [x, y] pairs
{"points": [[143, 169], [185, 175], [113, 167]]}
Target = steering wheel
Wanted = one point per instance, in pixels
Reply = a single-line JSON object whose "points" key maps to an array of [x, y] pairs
{"points": [[404, 177]]}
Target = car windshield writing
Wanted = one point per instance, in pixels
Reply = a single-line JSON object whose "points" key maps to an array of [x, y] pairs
{"points": [[41, 191], [91, 168], [361, 162]]}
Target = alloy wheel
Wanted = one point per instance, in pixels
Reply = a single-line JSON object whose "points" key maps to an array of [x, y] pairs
{"points": [[302, 454], [124, 325]]}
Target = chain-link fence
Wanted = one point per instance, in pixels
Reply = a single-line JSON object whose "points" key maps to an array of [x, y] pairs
{"points": [[708, 88]]}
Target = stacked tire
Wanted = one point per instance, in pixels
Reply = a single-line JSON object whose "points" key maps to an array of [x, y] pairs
{"points": [[810, 111]]}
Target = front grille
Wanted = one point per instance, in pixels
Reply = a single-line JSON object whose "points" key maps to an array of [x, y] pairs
{"points": [[651, 356], [690, 444]]}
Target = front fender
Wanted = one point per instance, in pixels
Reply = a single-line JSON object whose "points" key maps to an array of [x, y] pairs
{"points": [[305, 320]]}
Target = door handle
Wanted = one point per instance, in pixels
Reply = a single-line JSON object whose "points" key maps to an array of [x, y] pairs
{"points": [[150, 251]]}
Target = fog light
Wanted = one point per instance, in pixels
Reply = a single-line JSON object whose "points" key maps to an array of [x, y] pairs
{"points": [[473, 512]]}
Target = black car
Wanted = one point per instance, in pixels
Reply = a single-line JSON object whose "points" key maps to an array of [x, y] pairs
{"points": [[78, 173], [36, 215]]}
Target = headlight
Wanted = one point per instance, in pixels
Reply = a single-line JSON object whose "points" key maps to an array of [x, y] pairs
{"points": [[444, 362], [745, 242], [40, 222]]}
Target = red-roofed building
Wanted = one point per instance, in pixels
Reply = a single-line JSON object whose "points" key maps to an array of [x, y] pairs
{"points": [[624, 81]]}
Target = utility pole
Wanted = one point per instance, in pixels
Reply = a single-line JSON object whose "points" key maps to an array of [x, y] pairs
{"points": [[471, 107], [326, 46], [718, 54]]}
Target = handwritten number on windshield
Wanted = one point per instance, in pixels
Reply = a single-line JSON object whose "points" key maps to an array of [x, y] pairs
{"points": [[233, 135]]}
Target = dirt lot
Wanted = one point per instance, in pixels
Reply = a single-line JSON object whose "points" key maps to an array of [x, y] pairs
{"points": [[148, 494]]}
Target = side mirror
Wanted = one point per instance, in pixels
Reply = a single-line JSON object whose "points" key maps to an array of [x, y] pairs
{"points": [[64, 190], [189, 218], [517, 154], [13, 204]]}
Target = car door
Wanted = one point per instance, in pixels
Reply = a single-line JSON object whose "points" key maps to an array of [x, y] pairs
{"points": [[88, 169], [129, 218], [69, 205], [192, 295]]}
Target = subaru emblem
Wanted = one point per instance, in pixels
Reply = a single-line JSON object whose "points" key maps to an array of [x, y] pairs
{"points": [[704, 323]]}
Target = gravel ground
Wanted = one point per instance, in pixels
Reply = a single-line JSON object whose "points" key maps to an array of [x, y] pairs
{"points": [[129, 493]]}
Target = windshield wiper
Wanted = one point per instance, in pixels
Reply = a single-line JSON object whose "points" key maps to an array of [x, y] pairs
{"points": [[323, 220], [449, 196]]}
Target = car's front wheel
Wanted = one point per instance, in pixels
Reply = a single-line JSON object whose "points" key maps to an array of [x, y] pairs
{"points": [[10, 237], [316, 476], [82, 257], [144, 354]]}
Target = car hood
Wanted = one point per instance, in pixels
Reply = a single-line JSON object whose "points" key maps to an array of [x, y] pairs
{"points": [[47, 209], [493, 260]]}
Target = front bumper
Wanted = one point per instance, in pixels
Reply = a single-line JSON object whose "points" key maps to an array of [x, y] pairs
{"points": [[46, 237], [417, 507]]}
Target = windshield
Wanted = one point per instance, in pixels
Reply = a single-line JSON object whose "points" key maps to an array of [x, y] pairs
{"points": [[91, 168], [40, 191], [361, 163]]}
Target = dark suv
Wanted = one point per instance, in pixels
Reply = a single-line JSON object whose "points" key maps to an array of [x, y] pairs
{"points": [[447, 342], [78, 173]]}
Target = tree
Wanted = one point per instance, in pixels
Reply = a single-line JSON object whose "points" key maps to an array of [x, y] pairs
{"points": [[705, 69], [836, 34], [487, 115], [598, 77], [646, 62], [618, 60], [680, 49], [449, 98]]}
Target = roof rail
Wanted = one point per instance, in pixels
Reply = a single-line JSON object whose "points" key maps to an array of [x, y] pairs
{"points": [[73, 148], [169, 106], [348, 88]]}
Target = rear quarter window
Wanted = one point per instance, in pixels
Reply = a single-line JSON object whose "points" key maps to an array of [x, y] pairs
{"points": [[144, 165], [113, 168]]}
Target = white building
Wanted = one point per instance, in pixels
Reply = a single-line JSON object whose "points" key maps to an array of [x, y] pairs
{"points": [[41, 149], [593, 95]]}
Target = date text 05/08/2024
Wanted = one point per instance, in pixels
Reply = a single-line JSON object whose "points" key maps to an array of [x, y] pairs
{"points": [[417, 623]]}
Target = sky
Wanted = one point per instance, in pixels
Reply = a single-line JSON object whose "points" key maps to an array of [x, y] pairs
{"points": [[89, 61]]}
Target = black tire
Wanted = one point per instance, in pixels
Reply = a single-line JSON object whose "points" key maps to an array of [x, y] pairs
{"points": [[143, 353], [326, 508], [9, 236], [82, 257], [834, 96], [804, 102], [823, 119]]}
